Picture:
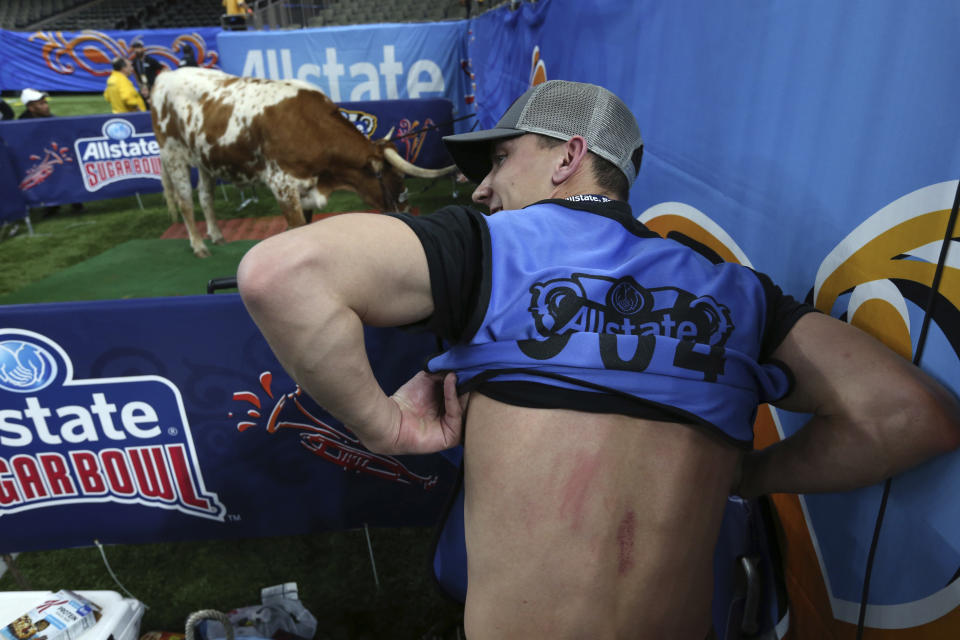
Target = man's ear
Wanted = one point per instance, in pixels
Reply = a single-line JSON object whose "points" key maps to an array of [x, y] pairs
{"points": [[574, 152]]}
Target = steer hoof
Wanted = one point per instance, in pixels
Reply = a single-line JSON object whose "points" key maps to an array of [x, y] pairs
{"points": [[201, 252]]}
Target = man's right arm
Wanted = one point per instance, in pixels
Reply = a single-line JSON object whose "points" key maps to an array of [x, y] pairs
{"points": [[874, 414], [311, 290]]}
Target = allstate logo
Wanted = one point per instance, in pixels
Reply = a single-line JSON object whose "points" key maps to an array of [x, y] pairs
{"points": [[25, 367], [117, 129], [628, 298]]}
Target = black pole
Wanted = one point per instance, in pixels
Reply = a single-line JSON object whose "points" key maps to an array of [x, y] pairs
{"points": [[921, 341]]}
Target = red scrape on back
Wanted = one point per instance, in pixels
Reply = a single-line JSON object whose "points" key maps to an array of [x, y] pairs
{"points": [[625, 543]]}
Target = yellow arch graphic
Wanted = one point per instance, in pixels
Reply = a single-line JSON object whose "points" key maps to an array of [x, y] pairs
{"points": [[888, 247]]}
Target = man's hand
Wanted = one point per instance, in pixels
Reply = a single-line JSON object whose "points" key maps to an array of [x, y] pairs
{"points": [[429, 416]]}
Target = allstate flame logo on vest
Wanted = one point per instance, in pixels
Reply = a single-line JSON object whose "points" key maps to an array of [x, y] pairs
{"points": [[67, 441], [119, 154], [607, 305]]}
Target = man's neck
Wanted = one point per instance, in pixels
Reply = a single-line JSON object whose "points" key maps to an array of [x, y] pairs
{"points": [[569, 192], [582, 182]]}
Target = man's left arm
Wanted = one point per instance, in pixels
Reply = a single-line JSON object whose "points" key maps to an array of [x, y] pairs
{"points": [[311, 289], [874, 414]]}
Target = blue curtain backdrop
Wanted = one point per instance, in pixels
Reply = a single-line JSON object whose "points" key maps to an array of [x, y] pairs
{"points": [[814, 141], [80, 60]]}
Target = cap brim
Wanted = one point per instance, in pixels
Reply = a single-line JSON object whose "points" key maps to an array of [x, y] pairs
{"points": [[471, 151]]}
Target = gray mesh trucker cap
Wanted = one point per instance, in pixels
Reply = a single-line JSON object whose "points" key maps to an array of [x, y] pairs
{"points": [[559, 109]]}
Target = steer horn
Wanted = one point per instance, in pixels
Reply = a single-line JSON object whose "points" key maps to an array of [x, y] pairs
{"points": [[398, 162]]}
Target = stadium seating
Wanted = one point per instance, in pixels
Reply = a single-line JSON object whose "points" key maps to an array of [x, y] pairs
{"points": [[343, 12], [17, 14], [75, 15]]}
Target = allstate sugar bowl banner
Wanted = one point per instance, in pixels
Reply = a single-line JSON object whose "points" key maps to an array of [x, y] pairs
{"points": [[120, 422], [64, 160]]}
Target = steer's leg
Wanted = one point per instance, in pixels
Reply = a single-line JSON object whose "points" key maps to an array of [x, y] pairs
{"points": [[205, 189], [287, 194], [286, 189], [292, 211], [179, 175], [169, 193]]}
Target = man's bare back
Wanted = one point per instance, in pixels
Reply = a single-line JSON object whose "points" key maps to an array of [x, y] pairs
{"points": [[582, 525]]}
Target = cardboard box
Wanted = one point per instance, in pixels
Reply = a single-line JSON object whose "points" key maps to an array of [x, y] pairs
{"points": [[62, 616]]}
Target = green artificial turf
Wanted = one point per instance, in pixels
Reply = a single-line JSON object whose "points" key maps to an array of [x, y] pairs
{"points": [[73, 104], [134, 269], [67, 237], [332, 570]]}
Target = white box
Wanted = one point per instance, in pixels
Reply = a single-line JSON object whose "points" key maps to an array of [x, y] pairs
{"points": [[120, 616], [64, 615]]}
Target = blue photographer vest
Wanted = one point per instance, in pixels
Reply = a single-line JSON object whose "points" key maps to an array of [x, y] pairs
{"points": [[583, 300]]}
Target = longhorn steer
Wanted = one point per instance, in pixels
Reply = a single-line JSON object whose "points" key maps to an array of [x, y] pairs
{"points": [[283, 133]]}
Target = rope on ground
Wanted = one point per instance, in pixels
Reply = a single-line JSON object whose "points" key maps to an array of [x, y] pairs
{"points": [[208, 614]]}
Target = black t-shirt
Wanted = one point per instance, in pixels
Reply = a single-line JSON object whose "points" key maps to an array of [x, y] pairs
{"points": [[146, 69], [452, 239], [6, 111]]}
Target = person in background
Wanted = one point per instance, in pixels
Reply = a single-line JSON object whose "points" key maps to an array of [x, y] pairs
{"points": [[145, 67], [120, 92], [6, 111], [187, 57], [35, 104], [236, 7], [236, 13]]}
